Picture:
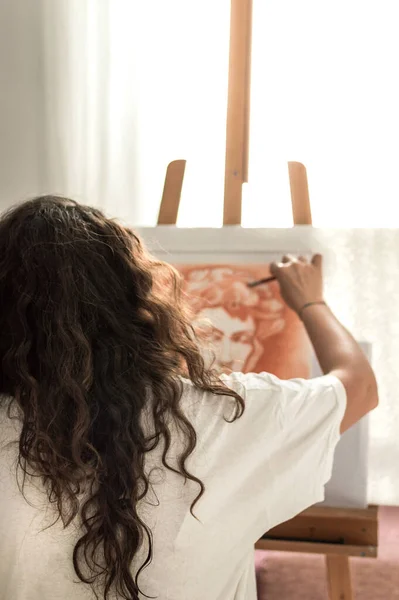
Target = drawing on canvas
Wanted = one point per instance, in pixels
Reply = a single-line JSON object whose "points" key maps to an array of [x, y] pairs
{"points": [[250, 330]]}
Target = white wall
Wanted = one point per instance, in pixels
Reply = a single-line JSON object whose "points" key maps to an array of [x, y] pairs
{"points": [[21, 100]]}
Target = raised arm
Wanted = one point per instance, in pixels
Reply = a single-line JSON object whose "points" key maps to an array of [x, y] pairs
{"points": [[301, 284]]}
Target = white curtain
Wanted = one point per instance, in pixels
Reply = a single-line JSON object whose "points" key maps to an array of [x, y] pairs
{"points": [[97, 96], [129, 87]]}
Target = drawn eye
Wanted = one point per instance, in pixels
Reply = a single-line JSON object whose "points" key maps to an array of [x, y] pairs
{"points": [[216, 335]]}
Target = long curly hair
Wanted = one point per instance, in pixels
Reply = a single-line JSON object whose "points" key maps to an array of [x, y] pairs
{"points": [[93, 332]]}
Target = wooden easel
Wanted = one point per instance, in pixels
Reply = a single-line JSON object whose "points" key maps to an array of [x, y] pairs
{"points": [[337, 533]]}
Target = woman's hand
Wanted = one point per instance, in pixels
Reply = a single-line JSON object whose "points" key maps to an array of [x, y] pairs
{"points": [[300, 281]]}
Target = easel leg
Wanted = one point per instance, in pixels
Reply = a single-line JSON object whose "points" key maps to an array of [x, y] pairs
{"points": [[339, 577]]}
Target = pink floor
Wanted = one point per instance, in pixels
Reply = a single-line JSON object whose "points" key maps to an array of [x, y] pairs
{"points": [[283, 576]]}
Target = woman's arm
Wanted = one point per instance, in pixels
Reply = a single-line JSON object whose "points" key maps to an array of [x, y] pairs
{"points": [[338, 353]]}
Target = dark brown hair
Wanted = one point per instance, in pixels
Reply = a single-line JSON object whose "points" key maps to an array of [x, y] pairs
{"points": [[87, 337]]}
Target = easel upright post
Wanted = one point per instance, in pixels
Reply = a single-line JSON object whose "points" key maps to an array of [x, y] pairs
{"points": [[171, 195], [238, 108], [300, 201]]}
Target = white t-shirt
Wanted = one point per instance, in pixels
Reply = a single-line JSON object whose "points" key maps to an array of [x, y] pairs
{"points": [[258, 471]]}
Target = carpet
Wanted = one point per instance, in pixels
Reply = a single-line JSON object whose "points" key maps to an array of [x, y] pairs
{"points": [[286, 576]]}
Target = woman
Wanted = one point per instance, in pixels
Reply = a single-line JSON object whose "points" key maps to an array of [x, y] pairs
{"points": [[128, 469]]}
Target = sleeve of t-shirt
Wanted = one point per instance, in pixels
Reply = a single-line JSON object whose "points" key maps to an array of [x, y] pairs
{"points": [[287, 437]]}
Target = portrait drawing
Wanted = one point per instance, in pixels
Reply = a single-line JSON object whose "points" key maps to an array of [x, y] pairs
{"points": [[248, 329]]}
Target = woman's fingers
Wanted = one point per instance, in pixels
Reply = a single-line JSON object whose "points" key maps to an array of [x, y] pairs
{"points": [[274, 267], [289, 258], [285, 261], [317, 261]]}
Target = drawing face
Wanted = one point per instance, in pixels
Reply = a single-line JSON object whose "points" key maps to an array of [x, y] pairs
{"points": [[244, 329], [232, 338]]}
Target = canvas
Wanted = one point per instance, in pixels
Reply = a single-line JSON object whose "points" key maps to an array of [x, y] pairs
{"points": [[250, 251], [246, 329]]}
